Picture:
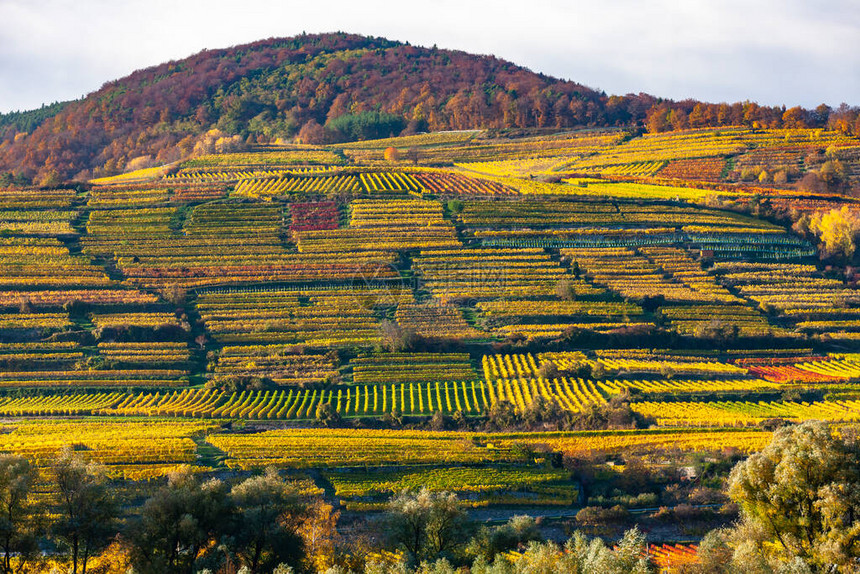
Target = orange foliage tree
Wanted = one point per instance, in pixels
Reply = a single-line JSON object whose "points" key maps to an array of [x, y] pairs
{"points": [[392, 154]]}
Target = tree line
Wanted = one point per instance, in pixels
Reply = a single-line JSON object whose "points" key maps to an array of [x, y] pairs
{"points": [[799, 501]]}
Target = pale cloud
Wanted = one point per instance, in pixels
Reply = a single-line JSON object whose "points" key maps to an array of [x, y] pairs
{"points": [[773, 51]]}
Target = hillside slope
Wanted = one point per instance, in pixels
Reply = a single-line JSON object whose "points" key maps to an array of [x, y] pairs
{"points": [[332, 87], [273, 88]]}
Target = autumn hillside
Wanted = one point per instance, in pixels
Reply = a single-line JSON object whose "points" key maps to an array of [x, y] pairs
{"points": [[272, 89], [332, 87]]}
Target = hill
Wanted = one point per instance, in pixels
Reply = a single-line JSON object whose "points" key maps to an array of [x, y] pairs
{"points": [[273, 88], [323, 88], [558, 303]]}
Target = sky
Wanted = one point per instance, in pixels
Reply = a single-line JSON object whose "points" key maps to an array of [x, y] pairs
{"points": [[775, 52]]}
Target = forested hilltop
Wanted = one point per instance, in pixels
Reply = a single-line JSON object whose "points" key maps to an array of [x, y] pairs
{"points": [[333, 87]]}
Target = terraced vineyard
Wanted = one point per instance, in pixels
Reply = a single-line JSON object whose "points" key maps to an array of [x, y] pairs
{"points": [[290, 286]]}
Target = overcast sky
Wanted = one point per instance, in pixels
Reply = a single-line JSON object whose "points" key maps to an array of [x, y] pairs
{"points": [[772, 51]]}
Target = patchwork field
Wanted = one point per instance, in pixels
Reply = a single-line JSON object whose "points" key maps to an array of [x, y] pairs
{"points": [[217, 312]]}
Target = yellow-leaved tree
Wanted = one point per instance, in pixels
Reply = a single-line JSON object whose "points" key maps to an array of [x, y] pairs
{"points": [[799, 500], [392, 154], [836, 230]]}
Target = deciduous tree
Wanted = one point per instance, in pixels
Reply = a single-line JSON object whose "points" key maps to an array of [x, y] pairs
{"points": [[178, 522], [425, 524], [800, 497], [836, 230], [269, 513], [86, 506], [19, 516]]}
